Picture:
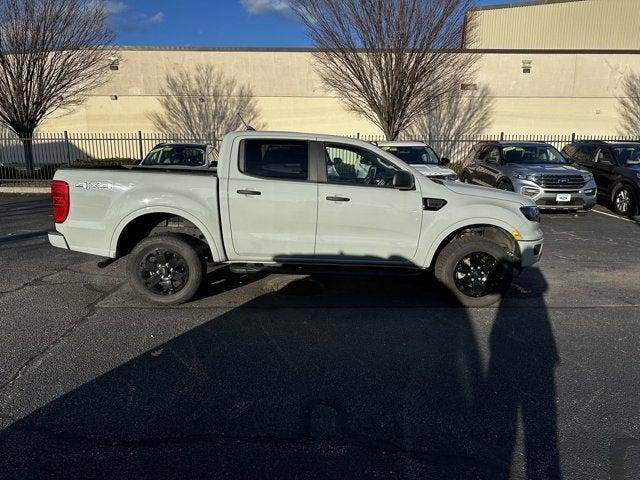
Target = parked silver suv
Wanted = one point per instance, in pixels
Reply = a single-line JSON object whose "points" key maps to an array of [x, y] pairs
{"points": [[534, 169]]}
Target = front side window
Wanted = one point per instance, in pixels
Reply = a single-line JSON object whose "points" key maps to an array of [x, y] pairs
{"points": [[628, 155], [532, 154], [492, 155], [603, 157], [347, 164], [176, 155], [283, 159], [422, 155]]}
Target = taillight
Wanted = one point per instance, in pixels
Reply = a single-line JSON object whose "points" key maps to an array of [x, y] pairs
{"points": [[60, 200]]}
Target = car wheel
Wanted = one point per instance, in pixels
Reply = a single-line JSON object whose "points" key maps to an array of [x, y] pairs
{"points": [[166, 269], [624, 202], [505, 185], [475, 270]]}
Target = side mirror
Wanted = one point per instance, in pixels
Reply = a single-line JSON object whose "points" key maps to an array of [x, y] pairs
{"points": [[444, 161], [403, 181]]}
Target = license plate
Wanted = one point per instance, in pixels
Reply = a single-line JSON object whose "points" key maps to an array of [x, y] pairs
{"points": [[563, 197]]}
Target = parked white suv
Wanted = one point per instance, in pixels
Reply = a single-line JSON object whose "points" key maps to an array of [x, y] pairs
{"points": [[278, 200], [421, 157]]}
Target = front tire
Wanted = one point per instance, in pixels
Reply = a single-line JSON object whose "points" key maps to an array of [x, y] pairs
{"points": [[505, 185], [625, 202], [475, 270], [166, 269]]}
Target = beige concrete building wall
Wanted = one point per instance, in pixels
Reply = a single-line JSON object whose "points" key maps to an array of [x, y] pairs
{"points": [[563, 93], [558, 24]]}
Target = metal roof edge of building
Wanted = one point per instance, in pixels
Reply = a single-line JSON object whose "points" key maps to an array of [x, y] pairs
{"points": [[148, 48], [530, 3]]}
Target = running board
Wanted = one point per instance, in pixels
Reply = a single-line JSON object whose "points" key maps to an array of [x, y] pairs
{"points": [[312, 269]]}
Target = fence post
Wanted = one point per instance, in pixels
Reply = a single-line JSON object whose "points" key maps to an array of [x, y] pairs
{"points": [[358, 135], [140, 145], [573, 137], [501, 136], [68, 147]]}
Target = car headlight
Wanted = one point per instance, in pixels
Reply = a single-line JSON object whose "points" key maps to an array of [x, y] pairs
{"points": [[638, 176], [526, 176], [452, 177], [587, 176], [531, 213]]}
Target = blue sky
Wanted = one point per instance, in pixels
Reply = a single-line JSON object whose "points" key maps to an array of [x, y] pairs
{"points": [[214, 23]]}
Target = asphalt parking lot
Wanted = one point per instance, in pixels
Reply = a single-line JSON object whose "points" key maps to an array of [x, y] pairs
{"points": [[330, 377]]}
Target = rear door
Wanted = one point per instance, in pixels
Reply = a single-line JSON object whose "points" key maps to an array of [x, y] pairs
{"points": [[604, 170], [488, 170], [361, 217], [272, 200]]}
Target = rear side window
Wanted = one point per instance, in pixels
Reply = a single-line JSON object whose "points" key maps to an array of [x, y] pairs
{"points": [[284, 159], [568, 151], [585, 153]]}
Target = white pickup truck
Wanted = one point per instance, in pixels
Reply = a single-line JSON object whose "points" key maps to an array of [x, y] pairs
{"points": [[281, 201]]}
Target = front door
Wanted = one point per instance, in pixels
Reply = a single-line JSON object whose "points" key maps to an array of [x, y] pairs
{"points": [[361, 217], [273, 201]]}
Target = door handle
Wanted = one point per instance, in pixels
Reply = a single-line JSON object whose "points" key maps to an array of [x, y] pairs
{"points": [[338, 199], [249, 192]]}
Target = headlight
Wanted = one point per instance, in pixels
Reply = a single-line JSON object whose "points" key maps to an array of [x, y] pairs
{"points": [[587, 176], [452, 177], [638, 175], [526, 176], [531, 213]]}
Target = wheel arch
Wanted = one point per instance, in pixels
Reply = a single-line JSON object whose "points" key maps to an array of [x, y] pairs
{"points": [[140, 224], [495, 231]]}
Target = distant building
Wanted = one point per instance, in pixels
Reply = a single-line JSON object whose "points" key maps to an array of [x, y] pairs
{"points": [[557, 25]]}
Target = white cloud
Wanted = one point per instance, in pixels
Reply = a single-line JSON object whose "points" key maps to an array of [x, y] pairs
{"points": [[114, 8], [136, 21], [262, 6]]}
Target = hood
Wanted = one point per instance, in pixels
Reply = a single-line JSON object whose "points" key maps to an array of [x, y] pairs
{"points": [[486, 192], [541, 169], [430, 170]]}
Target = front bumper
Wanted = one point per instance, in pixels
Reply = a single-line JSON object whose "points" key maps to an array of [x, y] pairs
{"points": [[56, 239], [530, 252], [547, 199]]}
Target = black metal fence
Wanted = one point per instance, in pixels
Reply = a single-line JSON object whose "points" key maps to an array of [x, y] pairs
{"points": [[50, 151]]}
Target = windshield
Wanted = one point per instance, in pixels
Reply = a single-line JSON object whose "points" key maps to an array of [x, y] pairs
{"points": [[419, 155], [628, 154], [532, 154], [176, 155]]}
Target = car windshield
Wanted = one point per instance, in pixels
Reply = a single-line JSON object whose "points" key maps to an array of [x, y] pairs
{"points": [[176, 155], [628, 154], [416, 155], [532, 154]]}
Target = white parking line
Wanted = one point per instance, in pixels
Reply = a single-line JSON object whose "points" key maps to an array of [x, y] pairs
{"points": [[613, 216]]}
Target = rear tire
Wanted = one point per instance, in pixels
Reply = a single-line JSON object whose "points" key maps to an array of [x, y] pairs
{"points": [[166, 269], [505, 185], [625, 202], [475, 270]]}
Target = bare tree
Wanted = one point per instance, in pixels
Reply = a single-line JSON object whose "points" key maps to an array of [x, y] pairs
{"points": [[459, 116], [629, 106], [51, 53], [203, 103], [390, 60]]}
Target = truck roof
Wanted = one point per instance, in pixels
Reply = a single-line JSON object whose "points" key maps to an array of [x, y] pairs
{"points": [[400, 144], [296, 136]]}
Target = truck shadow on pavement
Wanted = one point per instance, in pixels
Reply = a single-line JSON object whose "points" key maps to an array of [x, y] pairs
{"points": [[363, 391]]}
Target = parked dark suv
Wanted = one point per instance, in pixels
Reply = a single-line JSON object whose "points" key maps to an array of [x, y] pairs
{"points": [[616, 168], [533, 169]]}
